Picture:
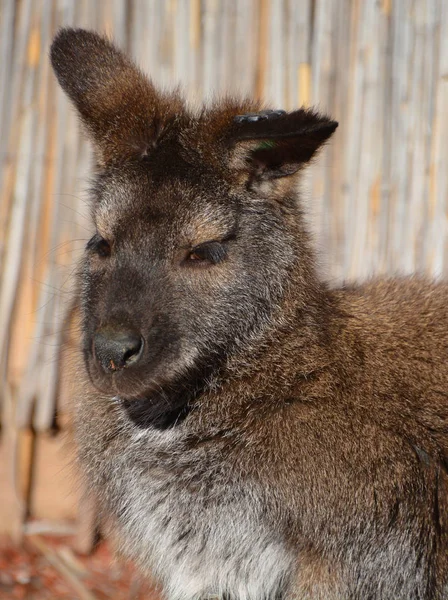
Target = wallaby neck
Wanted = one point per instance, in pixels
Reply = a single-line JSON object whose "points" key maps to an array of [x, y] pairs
{"points": [[295, 346]]}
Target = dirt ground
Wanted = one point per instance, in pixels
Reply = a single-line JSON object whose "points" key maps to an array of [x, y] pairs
{"points": [[46, 568]]}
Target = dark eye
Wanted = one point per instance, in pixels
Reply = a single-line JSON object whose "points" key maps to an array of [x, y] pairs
{"points": [[99, 245], [208, 253]]}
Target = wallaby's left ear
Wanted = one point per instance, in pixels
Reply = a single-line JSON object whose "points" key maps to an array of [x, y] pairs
{"points": [[274, 144]]}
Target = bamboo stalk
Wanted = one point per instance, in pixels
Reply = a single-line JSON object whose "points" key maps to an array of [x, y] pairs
{"points": [[262, 58], [20, 199]]}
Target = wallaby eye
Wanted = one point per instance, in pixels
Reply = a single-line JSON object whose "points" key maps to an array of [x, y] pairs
{"points": [[99, 245], [206, 254]]}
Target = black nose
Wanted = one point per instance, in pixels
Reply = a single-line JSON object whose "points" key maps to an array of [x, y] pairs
{"points": [[116, 349]]}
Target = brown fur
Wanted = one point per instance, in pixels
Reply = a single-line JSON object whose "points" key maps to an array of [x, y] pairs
{"points": [[278, 424]]}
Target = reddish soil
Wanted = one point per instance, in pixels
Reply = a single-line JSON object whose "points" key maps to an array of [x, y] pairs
{"points": [[27, 573]]}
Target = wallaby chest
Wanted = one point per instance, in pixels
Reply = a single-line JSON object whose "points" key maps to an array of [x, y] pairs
{"points": [[190, 518]]}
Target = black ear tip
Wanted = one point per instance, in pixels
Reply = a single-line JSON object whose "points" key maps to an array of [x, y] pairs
{"points": [[326, 125], [333, 125]]}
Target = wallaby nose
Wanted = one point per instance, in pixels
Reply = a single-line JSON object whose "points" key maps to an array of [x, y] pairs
{"points": [[116, 349]]}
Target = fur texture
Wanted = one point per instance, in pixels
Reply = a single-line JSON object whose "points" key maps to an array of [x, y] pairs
{"points": [[276, 438]]}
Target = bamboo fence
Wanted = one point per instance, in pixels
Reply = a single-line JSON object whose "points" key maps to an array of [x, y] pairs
{"points": [[377, 197]]}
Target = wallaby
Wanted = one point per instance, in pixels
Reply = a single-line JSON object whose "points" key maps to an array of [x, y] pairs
{"points": [[249, 431]]}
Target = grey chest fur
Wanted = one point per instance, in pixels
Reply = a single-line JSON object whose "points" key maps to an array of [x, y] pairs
{"points": [[190, 520]]}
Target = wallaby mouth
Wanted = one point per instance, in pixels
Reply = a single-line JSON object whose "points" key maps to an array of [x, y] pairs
{"points": [[126, 382], [156, 411], [165, 401]]}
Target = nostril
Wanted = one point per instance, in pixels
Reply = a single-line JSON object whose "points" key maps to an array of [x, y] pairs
{"points": [[132, 350], [117, 349]]}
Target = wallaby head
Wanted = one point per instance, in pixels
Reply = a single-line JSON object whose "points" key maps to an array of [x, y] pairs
{"points": [[198, 227]]}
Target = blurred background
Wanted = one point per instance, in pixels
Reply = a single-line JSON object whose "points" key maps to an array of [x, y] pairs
{"points": [[377, 198]]}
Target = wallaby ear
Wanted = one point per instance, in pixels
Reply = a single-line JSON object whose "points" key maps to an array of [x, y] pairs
{"points": [[274, 144], [119, 106]]}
